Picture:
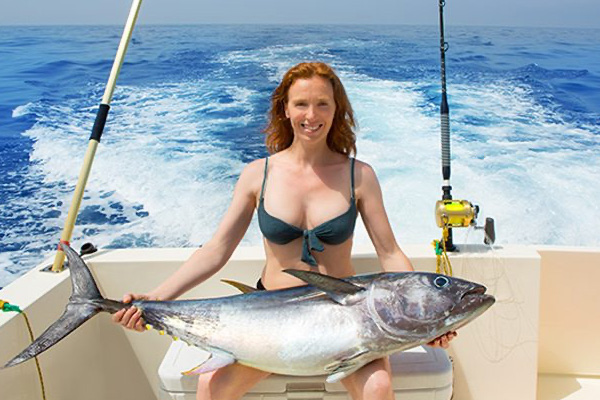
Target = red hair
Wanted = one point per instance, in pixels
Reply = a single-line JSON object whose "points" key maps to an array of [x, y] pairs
{"points": [[341, 137]]}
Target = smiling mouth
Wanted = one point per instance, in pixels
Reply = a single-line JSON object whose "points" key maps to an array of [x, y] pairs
{"points": [[311, 128]]}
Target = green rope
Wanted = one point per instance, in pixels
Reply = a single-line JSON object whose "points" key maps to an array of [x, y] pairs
{"points": [[5, 306]]}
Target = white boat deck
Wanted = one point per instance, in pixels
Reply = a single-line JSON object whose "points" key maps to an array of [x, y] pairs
{"points": [[567, 387], [539, 341]]}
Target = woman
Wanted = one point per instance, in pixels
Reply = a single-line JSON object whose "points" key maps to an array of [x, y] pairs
{"points": [[307, 195]]}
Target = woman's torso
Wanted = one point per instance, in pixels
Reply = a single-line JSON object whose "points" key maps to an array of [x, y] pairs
{"points": [[302, 198]]}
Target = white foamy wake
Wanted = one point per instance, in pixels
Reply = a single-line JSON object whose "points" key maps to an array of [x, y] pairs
{"points": [[521, 162], [525, 166], [164, 171], [162, 176], [163, 151]]}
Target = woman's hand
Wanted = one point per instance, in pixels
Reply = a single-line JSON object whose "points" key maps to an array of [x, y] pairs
{"points": [[131, 318], [443, 341]]}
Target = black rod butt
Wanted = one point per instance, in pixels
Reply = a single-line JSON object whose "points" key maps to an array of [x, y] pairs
{"points": [[100, 122]]}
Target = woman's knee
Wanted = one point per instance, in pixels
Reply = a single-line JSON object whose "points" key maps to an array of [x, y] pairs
{"points": [[378, 385], [209, 387], [228, 383], [371, 382]]}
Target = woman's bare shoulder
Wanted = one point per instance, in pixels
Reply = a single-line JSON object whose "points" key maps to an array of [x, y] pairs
{"points": [[255, 167], [363, 171], [365, 181], [251, 177]]}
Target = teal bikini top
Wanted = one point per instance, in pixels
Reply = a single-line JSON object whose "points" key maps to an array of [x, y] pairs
{"points": [[334, 231]]}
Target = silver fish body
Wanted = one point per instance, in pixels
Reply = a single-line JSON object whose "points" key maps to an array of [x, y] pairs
{"points": [[331, 326]]}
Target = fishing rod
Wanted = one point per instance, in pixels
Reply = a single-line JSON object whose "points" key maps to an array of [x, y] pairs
{"points": [[96, 134], [451, 213]]}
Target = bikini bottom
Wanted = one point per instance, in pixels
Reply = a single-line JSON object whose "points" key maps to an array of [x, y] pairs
{"points": [[259, 285]]}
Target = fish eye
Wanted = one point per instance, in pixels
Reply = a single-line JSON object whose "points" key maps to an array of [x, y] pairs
{"points": [[441, 282]]}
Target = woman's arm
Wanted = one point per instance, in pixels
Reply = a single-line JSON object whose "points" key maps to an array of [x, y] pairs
{"points": [[213, 255], [372, 211]]}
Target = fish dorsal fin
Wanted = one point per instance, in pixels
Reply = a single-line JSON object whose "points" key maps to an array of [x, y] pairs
{"points": [[242, 287], [214, 361], [338, 290]]}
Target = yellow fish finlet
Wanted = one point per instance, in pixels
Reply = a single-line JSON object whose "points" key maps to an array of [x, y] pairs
{"points": [[148, 327], [161, 332]]}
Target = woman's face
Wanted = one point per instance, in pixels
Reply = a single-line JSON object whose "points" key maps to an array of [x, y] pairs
{"points": [[311, 108]]}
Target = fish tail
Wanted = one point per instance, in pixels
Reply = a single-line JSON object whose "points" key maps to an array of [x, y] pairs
{"points": [[85, 302]]}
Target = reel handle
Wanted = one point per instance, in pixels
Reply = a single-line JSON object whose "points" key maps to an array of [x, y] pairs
{"points": [[490, 231]]}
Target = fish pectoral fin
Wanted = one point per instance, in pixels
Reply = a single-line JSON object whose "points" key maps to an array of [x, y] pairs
{"points": [[346, 366], [213, 362], [242, 287], [343, 371], [339, 290], [338, 376]]}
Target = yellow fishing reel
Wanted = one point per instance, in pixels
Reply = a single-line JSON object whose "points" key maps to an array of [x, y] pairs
{"points": [[462, 214], [455, 213]]}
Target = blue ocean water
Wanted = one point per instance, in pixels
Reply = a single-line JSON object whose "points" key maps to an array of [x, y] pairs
{"points": [[191, 103]]}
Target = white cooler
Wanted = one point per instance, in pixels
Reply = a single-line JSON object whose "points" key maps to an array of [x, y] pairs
{"points": [[422, 373]]}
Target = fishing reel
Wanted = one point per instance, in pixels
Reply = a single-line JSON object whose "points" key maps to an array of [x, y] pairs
{"points": [[463, 214]]}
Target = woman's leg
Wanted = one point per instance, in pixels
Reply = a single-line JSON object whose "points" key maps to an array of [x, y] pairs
{"points": [[371, 382], [228, 383]]}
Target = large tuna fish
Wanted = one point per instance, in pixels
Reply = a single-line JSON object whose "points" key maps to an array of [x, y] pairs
{"points": [[332, 326]]}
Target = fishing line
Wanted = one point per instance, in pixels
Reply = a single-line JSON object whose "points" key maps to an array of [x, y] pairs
{"points": [[495, 343], [5, 306]]}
